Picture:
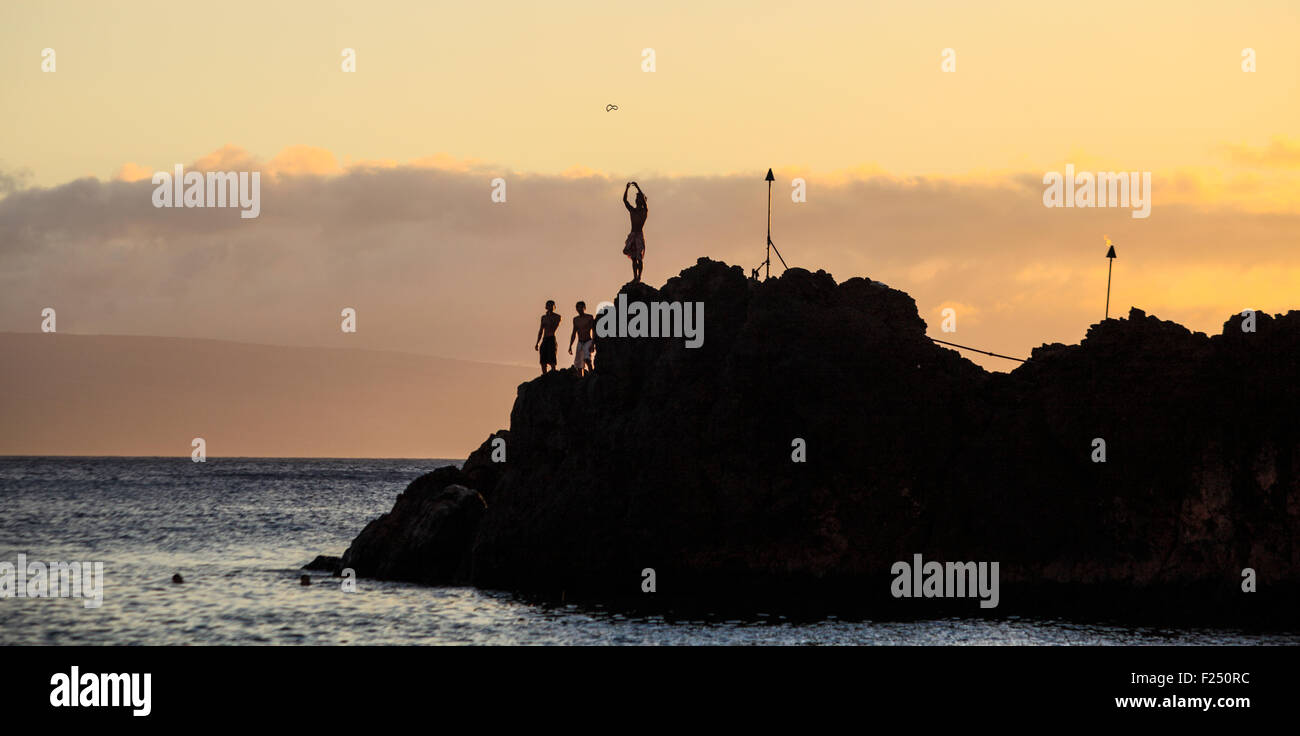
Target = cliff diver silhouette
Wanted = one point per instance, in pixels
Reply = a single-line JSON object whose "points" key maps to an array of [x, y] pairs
{"points": [[583, 325], [545, 345], [634, 246]]}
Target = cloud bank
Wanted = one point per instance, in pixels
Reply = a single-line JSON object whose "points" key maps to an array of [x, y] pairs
{"points": [[432, 265]]}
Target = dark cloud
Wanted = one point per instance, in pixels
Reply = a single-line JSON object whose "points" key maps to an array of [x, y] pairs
{"points": [[12, 181], [434, 266]]}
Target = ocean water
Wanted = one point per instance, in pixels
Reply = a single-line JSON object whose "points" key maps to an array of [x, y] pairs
{"points": [[239, 529]]}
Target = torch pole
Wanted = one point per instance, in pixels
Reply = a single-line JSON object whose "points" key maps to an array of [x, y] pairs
{"points": [[768, 262]]}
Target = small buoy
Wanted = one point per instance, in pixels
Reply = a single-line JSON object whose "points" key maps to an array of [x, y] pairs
{"points": [[305, 580], [177, 578]]}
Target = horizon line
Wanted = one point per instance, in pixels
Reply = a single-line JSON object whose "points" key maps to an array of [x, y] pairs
{"points": [[274, 345]]}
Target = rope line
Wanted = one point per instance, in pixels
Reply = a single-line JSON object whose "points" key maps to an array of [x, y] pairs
{"points": [[963, 347]]}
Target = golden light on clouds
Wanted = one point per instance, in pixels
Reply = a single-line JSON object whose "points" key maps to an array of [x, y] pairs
{"points": [[927, 180]]}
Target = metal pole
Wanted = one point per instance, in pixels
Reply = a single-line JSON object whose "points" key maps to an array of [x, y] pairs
{"points": [[1110, 261], [1110, 257], [768, 262]]}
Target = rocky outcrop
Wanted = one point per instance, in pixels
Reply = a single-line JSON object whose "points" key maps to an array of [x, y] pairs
{"points": [[680, 460], [325, 563], [426, 538]]}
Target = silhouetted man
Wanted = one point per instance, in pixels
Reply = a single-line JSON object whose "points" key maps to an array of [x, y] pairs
{"points": [[546, 337], [583, 325], [634, 246]]}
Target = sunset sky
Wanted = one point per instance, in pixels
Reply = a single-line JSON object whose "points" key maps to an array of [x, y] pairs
{"points": [[376, 184]]}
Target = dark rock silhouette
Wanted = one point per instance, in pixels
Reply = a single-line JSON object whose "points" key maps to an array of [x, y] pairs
{"points": [[428, 535], [680, 460], [325, 563]]}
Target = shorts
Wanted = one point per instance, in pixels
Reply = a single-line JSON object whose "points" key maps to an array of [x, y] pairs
{"points": [[634, 246], [546, 353], [583, 353]]}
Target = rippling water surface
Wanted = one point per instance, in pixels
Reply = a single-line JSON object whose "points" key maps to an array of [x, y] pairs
{"points": [[238, 530]]}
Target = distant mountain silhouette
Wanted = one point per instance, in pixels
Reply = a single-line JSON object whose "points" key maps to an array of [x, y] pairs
{"points": [[680, 460], [122, 395]]}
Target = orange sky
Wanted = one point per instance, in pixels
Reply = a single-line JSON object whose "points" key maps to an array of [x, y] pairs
{"points": [[376, 184]]}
